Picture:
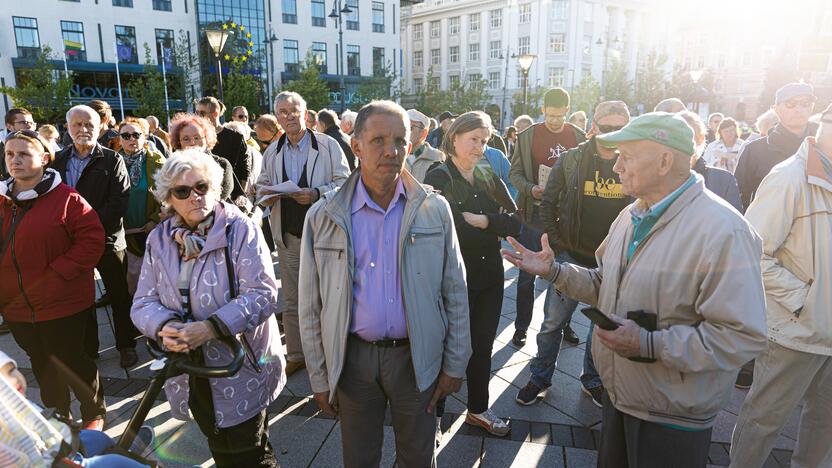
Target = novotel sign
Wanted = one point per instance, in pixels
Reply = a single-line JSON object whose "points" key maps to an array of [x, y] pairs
{"points": [[98, 92]]}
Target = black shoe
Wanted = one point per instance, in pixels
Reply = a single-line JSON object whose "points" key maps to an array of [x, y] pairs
{"points": [[596, 393], [4, 328], [519, 338], [569, 335], [103, 301], [744, 380], [129, 358], [528, 394]]}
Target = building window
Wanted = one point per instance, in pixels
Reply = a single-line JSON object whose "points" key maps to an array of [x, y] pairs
{"points": [[559, 9], [453, 54], [417, 32], [352, 18], [27, 37], [524, 45], [126, 44], [434, 28], [496, 18], [475, 80], [164, 47], [453, 25], [519, 77], [418, 85], [435, 57], [555, 76], [378, 61], [162, 5], [474, 22], [290, 56], [557, 43], [494, 81], [525, 13], [453, 81], [354, 60], [495, 49], [319, 55], [587, 45], [318, 13], [589, 12], [123, 3], [434, 83], [586, 72], [290, 11], [378, 17], [473, 52], [417, 58], [75, 48]]}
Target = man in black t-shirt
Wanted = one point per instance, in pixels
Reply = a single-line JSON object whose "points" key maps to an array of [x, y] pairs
{"points": [[582, 198]]}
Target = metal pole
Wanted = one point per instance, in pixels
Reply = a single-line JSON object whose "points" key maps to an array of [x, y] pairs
{"points": [[219, 79], [165, 81], [66, 75], [342, 86], [525, 92], [118, 81], [505, 92]]}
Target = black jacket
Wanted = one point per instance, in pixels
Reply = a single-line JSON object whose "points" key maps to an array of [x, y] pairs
{"points": [[231, 146], [757, 158], [105, 185], [489, 196], [344, 142]]}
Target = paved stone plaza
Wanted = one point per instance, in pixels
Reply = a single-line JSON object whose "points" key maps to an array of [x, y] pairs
{"points": [[561, 431]]}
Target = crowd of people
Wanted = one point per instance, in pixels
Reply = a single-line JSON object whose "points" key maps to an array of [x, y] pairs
{"points": [[700, 250]]}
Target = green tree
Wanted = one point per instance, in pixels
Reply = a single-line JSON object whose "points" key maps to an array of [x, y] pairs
{"points": [[534, 104], [585, 96], [241, 88], [432, 100], [616, 84], [310, 85], [783, 70], [42, 89], [148, 89], [681, 85], [651, 85], [380, 86]]}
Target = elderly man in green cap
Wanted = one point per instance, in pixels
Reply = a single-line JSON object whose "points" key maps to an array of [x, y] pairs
{"points": [[679, 279]]}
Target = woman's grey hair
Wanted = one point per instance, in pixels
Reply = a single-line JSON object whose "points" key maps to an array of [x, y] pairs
{"points": [[465, 123], [349, 116], [240, 128], [184, 161], [767, 120], [380, 107], [524, 118], [289, 96]]}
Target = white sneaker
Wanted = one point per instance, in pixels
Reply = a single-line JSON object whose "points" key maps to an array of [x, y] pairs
{"points": [[488, 421]]}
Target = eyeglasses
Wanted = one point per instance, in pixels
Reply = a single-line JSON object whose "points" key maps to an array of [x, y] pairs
{"points": [[803, 103], [130, 136], [242, 117], [183, 192], [28, 123], [189, 140], [417, 126], [608, 128], [284, 114]]}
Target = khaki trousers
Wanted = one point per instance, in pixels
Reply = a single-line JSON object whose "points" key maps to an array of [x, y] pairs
{"points": [[783, 378], [289, 259]]}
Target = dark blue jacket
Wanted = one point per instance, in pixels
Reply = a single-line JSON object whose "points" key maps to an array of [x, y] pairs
{"points": [[720, 182]]}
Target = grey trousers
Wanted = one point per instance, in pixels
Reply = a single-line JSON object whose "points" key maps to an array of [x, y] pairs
{"points": [[783, 378], [289, 258], [374, 377], [629, 442]]}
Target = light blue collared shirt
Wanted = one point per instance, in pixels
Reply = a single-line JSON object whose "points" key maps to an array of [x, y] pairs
{"points": [[75, 166], [295, 156]]}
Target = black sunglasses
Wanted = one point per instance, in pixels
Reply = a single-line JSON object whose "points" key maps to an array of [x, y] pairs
{"points": [[130, 136], [182, 192], [609, 128], [242, 116]]}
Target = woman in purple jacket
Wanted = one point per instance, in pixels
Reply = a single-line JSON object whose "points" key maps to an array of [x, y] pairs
{"points": [[187, 298]]}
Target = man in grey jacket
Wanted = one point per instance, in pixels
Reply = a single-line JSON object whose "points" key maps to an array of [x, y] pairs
{"points": [[383, 318]]}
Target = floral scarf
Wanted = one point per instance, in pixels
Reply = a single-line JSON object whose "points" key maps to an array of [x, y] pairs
{"points": [[135, 165], [190, 242]]}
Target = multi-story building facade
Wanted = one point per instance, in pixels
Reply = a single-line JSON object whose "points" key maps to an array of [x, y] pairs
{"points": [[92, 36], [458, 40]]}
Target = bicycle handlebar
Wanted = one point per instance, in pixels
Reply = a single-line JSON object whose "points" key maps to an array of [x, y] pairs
{"points": [[182, 362]]}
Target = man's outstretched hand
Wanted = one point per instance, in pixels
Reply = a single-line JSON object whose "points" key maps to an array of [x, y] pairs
{"points": [[536, 263]]}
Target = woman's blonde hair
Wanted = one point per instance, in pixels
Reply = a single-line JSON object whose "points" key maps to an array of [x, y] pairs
{"points": [[182, 162], [465, 123]]}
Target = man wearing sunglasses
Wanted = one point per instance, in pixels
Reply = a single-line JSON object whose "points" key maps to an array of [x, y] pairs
{"points": [[582, 198], [796, 367], [793, 105]]}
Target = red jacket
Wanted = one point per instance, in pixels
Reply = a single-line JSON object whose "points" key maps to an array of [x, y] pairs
{"points": [[46, 271]]}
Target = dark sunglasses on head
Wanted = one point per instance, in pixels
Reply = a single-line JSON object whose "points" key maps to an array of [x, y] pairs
{"points": [[182, 192], [130, 136], [242, 116], [28, 134], [804, 103], [609, 128]]}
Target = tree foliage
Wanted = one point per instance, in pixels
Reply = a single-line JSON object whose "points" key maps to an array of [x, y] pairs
{"points": [[783, 70], [310, 85], [148, 89], [460, 97], [616, 84], [381, 86], [241, 88], [42, 89], [585, 96], [535, 102], [651, 85]]}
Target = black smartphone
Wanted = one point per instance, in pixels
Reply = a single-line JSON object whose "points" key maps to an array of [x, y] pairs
{"points": [[599, 318]]}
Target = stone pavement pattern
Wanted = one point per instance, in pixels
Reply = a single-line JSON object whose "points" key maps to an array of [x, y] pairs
{"points": [[562, 430]]}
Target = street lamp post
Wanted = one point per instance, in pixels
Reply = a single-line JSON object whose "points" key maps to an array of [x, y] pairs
{"points": [[216, 39], [337, 14], [270, 64], [525, 62]]}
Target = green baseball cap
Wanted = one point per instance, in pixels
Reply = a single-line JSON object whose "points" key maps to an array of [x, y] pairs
{"points": [[662, 127]]}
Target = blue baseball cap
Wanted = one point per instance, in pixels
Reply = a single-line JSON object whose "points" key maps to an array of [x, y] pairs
{"points": [[793, 90]]}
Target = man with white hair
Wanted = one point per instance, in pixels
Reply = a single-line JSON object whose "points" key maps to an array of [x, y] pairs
{"points": [[422, 155], [347, 121], [100, 176], [315, 164]]}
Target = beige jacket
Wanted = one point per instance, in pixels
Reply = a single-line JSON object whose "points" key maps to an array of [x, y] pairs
{"points": [[433, 285], [793, 214], [418, 167], [698, 269]]}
